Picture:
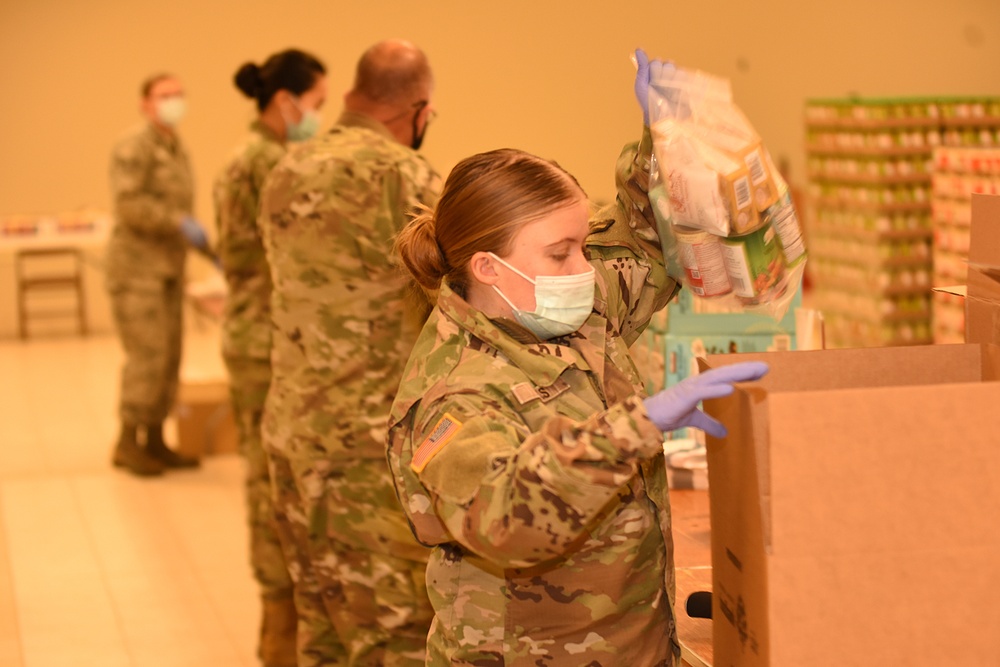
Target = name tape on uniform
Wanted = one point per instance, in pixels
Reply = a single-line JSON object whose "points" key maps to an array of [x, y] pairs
{"points": [[526, 391], [444, 430]]}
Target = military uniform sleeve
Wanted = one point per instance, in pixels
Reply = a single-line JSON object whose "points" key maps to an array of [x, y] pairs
{"points": [[418, 185], [511, 496], [237, 200], [136, 204], [624, 247]]}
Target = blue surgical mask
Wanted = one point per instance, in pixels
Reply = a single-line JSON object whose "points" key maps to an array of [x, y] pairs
{"points": [[562, 303], [306, 128]]}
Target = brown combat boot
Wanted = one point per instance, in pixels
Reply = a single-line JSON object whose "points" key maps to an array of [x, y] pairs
{"points": [[278, 627], [129, 455], [159, 450]]}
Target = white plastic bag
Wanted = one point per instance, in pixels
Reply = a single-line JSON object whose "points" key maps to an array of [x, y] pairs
{"points": [[726, 219]]}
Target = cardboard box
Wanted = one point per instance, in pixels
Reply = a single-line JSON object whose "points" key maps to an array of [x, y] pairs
{"points": [[205, 423], [854, 506], [982, 289], [982, 304]]}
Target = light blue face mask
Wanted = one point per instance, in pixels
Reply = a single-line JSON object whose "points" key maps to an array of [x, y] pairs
{"points": [[562, 303], [306, 128]]}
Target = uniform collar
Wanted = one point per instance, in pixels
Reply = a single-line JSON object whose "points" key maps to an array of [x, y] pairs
{"points": [[355, 119], [542, 361], [263, 130]]}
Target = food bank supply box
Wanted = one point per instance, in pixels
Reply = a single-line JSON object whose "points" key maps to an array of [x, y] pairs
{"points": [[854, 507], [982, 291], [205, 423], [697, 328]]}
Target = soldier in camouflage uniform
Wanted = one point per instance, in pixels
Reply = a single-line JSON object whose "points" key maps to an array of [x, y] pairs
{"points": [[152, 192], [345, 317], [289, 89], [520, 442]]}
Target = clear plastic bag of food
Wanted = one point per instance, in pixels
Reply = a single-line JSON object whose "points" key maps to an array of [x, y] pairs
{"points": [[727, 222]]}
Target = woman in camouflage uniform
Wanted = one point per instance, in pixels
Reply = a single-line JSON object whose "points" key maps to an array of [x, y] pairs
{"points": [[521, 444], [289, 88]]}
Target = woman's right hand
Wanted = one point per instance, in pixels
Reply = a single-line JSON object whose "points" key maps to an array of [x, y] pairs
{"points": [[677, 407]]}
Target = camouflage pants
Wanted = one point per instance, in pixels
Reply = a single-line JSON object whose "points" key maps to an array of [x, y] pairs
{"points": [[148, 317], [356, 607], [249, 380]]}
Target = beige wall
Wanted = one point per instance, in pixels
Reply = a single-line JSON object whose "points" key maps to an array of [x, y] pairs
{"points": [[552, 77]]}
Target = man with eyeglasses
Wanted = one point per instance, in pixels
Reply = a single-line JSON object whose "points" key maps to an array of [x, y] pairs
{"points": [[345, 319]]}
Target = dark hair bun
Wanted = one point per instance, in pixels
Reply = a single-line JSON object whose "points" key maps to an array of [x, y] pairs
{"points": [[248, 80]]}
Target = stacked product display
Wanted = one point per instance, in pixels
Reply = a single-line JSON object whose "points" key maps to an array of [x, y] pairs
{"points": [[958, 174], [869, 211]]}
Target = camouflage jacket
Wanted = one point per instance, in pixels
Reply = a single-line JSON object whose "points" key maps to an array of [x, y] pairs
{"points": [[345, 312], [152, 190], [537, 473], [246, 329]]}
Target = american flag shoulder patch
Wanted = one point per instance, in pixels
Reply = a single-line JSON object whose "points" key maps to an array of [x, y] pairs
{"points": [[443, 431]]}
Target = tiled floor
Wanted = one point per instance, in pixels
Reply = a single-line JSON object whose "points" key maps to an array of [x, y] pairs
{"points": [[97, 567]]}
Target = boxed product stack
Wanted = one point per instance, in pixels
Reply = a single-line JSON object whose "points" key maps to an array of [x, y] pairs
{"points": [[958, 174], [869, 212]]}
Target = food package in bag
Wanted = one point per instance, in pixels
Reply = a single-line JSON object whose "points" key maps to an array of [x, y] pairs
{"points": [[690, 172], [711, 159], [726, 219]]}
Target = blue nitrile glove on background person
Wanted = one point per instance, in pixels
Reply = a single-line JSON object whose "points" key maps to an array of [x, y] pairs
{"points": [[647, 71], [677, 407], [194, 233]]}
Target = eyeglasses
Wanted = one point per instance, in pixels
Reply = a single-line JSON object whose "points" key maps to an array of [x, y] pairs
{"points": [[415, 109]]}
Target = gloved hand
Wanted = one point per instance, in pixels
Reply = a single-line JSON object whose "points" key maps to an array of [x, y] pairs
{"points": [[194, 232], [677, 407], [647, 71]]}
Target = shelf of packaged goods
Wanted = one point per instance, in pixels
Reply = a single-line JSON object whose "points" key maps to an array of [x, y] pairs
{"points": [[869, 151], [976, 122], [916, 317], [887, 291], [871, 124], [874, 207], [873, 237], [951, 199], [835, 341], [870, 179], [866, 260]]}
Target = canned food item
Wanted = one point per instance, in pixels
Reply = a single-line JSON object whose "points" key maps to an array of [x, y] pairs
{"points": [[756, 265], [786, 223], [703, 262]]}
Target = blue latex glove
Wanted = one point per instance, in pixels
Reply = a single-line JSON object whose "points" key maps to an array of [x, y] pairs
{"points": [[642, 83], [645, 72], [677, 407], [194, 232]]}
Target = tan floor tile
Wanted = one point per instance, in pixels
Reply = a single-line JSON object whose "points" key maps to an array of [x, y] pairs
{"points": [[98, 567]]}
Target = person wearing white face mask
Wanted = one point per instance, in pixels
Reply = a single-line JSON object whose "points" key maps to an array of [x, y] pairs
{"points": [[522, 444], [152, 191], [289, 90]]}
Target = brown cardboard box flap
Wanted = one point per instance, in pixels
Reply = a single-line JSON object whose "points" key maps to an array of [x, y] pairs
{"points": [[982, 306]]}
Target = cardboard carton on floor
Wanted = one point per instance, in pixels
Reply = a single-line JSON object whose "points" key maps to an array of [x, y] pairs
{"points": [[204, 417], [854, 507]]}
